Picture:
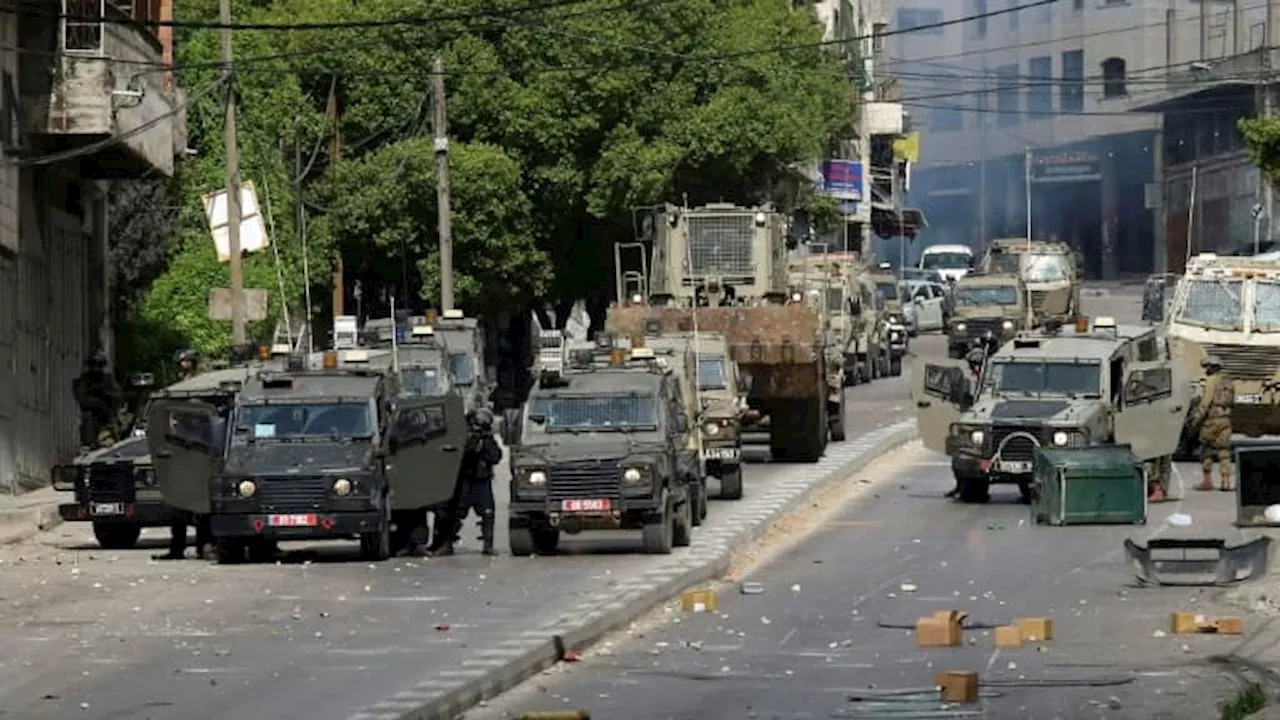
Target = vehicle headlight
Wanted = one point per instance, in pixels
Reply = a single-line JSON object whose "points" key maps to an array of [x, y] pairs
{"points": [[893, 335], [342, 487], [895, 319], [977, 436], [246, 488], [796, 297], [711, 428], [1007, 325], [1060, 438], [960, 327], [537, 477]]}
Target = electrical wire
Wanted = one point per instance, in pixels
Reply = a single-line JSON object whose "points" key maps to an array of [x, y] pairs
{"points": [[118, 138]]}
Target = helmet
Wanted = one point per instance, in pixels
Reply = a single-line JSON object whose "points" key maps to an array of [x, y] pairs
{"points": [[482, 417], [187, 355], [1211, 361], [975, 356]]}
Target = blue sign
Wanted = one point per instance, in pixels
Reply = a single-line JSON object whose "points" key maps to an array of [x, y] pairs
{"points": [[842, 179], [400, 334]]}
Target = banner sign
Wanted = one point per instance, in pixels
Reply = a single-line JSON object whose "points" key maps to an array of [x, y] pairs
{"points": [[1052, 167], [842, 179]]}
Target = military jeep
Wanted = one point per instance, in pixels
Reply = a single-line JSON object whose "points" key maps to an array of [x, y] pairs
{"points": [[1054, 387], [985, 306]]}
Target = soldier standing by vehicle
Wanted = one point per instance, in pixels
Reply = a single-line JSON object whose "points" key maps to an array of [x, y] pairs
{"points": [[1213, 419], [188, 366], [475, 491], [97, 394], [977, 359]]}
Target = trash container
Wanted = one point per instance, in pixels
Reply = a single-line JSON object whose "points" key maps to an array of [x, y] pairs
{"points": [[1257, 465], [1101, 484]]}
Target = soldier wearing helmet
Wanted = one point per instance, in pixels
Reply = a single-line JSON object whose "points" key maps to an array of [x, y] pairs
{"points": [[98, 396], [475, 484], [188, 362], [1213, 421]]}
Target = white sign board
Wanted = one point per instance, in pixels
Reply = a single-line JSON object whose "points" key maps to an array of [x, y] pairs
{"points": [[255, 304], [253, 233]]}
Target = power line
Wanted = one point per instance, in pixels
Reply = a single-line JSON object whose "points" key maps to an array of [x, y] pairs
{"points": [[1216, 107]]}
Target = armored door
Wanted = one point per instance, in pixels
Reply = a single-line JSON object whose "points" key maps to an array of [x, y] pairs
{"points": [[425, 443], [1154, 404], [938, 388], [183, 438]]}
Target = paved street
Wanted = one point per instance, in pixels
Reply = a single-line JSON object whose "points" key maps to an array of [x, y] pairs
{"points": [[800, 649]]}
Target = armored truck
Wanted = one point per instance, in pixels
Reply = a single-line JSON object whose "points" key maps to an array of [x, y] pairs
{"points": [[603, 443], [986, 305], [1229, 307], [857, 337], [1054, 387], [1049, 270], [729, 264], [307, 454]]}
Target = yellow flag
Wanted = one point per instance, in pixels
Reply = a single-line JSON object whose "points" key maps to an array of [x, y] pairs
{"points": [[907, 147]]}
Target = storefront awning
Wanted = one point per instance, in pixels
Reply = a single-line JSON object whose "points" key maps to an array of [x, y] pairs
{"points": [[885, 221]]}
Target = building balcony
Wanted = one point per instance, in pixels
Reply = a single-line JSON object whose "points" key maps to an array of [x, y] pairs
{"points": [[87, 83]]}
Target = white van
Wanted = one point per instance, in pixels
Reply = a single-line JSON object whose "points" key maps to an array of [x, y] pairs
{"points": [[951, 261]]}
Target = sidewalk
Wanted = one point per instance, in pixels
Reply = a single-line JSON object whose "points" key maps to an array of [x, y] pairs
{"points": [[22, 516]]}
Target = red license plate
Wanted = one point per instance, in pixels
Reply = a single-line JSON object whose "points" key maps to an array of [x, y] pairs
{"points": [[292, 521], [585, 506]]}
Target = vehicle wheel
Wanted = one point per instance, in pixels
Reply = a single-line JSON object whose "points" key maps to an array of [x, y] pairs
{"points": [[975, 490], [546, 540], [682, 525], [117, 536], [731, 483], [874, 362], [895, 367], [375, 545], [520, 539], [229, 551], [658, 537]]}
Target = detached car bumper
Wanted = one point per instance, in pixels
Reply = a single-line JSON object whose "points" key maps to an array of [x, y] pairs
{"points": [[296, 526], [146, 514]]}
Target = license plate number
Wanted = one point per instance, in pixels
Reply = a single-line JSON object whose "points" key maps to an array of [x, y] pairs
{"points": [[720, 453], [585, 506], [292, 521], [1014, 466], [108, 508], [1249, 399]]}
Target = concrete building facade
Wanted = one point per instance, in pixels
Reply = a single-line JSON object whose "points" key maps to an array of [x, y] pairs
{"points": [[1042, 98], [85, 104]]}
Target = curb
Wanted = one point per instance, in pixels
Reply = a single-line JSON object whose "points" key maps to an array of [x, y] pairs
{"points": [[449, 694], [18, 525]]}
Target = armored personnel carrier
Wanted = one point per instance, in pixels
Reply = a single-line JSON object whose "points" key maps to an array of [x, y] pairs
{"points": [[723, 268], [1048, 269]]}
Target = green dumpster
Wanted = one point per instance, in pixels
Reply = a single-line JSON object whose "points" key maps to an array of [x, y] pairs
{"points": [[1102, 484], [1257, 469]]}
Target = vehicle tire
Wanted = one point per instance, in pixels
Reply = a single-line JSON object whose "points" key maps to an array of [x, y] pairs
{"points": [[546, 540], [975, 490], [895, 367], [376, 545], [520, 539], [837, 428], [873, 361], [117, 536], [657, 537], [229, 551], [682, 525], [731, 483]]}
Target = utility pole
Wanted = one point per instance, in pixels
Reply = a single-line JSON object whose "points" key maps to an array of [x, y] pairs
{"points": [[233, 182], [442, 185], [335, 153]]}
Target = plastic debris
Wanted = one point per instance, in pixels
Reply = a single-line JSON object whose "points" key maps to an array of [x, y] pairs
{"points": [[751, 588], [795, 588], [908, 587], [1180, 520]]}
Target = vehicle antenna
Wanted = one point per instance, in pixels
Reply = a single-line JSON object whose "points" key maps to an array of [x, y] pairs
{"points": [[395, 352], [688, 251]]}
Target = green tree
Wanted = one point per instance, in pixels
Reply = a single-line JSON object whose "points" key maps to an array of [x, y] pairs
{"points": [[1262, 139]]}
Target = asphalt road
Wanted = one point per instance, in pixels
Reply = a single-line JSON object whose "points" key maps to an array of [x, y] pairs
{"points": [[813, 639]]}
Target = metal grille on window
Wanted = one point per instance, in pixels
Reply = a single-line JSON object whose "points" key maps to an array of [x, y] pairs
{"points": [[79, 35], [721, 244], [596, 411]]}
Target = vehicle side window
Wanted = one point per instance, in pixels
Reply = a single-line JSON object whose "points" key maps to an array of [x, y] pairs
{"points": [[1148, 385], [922, 292]]}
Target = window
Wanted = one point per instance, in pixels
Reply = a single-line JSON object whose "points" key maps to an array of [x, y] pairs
{"points": [[461, 368], [1113, 77], [1071, 97], [711, 372], [980, 12], [1007, 95], [1040, 90], [1211, 303], [923, 18], [1013, 16], [8, 114], [947, 116], [273, 422]]}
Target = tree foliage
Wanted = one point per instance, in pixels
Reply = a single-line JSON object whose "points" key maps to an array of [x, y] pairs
{"points": [[1262, 139], [562, 120]]}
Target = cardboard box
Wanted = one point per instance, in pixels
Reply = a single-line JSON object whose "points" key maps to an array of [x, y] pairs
{"points": [[1185, 622], [944, 628], [1009, 636], [957, 686], [1035, 629], [698, 601], [1228, 626]]}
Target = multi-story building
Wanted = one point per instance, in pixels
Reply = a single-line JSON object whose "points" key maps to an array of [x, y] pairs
{"points": [[1037, 102], [87, 100]]}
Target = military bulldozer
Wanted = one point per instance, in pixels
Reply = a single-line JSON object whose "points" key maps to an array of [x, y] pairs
{"points": [[722, 268]]}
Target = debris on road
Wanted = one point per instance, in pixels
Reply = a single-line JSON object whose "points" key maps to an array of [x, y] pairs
{"points": [[1009, 636], [1035, 629], [1198, 561], [944, 628], [1185, 623], [558, 715], [958, 686], [698, 601], [751, 588]]}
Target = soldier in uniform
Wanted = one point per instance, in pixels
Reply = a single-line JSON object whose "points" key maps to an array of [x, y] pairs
{"points": [[188, 366], [1213, 421], [97, 394], [475, 491], [977, 359]]}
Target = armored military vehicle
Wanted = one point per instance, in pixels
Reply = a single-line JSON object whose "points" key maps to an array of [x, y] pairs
{"points": [[1048, 269], [305, 454], [857, 336], [715, 403], [893, 298], [1230, 307], [603, 443], [730, 264], [464, 339], [1055, 387], [986, 305]]}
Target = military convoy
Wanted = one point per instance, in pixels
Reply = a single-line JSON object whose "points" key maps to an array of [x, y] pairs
{"points": [[986, 306], [1053, 387], [1048, 269]]}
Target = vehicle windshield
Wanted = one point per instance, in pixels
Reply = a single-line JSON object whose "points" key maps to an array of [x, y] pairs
{"points": [[461, 369], [835, 300], [984, 296], [595, 413], [1212, 303], [422, 382], [1046, 378], [945, 260], [1005, 262], [711, 374], [1045, 268], [1266, 307], [888, 291], [310, 420]]}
